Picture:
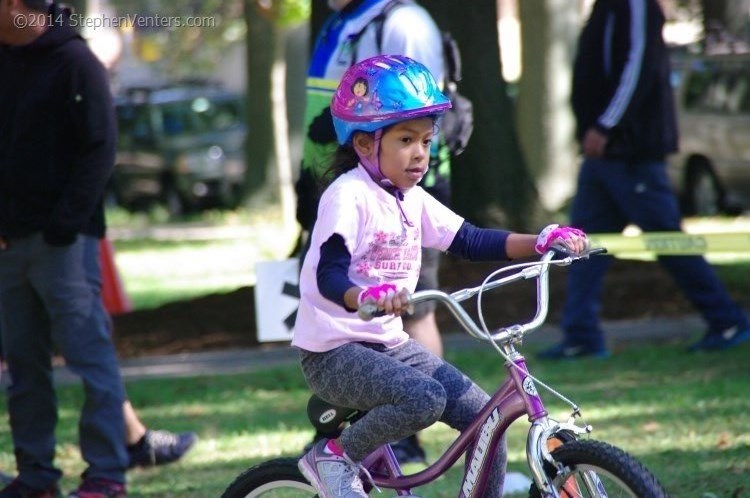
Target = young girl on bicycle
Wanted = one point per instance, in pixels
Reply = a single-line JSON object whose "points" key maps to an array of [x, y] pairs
{"points": [[372, 222]]}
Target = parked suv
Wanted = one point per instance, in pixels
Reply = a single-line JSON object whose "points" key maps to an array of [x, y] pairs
{"points": [[711, 173], [181, 145]]}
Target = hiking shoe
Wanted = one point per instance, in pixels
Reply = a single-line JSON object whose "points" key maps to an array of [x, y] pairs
{"points": [[332, 475], [408, 450], [97, 487], [569, 351], [728, 338], [160, 447], [17, 489]]}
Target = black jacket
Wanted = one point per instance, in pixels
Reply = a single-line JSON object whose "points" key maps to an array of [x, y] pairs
{"points": [[621, 80], [57, 137]]}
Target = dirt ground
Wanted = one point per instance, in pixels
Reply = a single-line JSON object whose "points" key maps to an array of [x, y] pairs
{"points": [[633, 289]]}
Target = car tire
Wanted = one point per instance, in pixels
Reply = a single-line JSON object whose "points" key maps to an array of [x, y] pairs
{"points": [[173, 201], [703, 193]]}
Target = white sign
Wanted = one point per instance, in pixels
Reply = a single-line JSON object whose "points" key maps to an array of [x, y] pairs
{"points": [[276, 299]]}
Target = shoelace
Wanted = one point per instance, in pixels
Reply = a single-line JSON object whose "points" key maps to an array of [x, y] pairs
{"points": [[162, 438], [352, 471]]}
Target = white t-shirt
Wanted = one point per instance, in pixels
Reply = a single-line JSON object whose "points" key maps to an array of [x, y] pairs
{"points": [[384, 249]]}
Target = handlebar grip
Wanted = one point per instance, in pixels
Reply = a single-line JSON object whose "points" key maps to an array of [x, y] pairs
{"points": [[368, 311]]}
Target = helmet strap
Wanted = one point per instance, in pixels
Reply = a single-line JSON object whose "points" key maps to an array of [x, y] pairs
{"points": [[372, 166], [373, 169]]}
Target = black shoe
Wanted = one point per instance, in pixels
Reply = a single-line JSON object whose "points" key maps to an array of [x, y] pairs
{"points": [[160, 447], [97, 487], [17, 489], [408, 450]]}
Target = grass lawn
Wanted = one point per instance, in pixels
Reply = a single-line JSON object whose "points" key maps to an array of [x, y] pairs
{"points": [[178, 261], [686, 416]]}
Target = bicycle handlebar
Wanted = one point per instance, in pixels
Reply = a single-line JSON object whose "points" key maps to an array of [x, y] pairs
{"points": [[537, 269]]}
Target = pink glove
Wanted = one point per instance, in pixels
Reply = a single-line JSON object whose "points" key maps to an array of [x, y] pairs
{"points": [[376, 292], [554, 237]]}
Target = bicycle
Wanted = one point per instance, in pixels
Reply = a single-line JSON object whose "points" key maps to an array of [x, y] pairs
{"points": [[561, 461]]}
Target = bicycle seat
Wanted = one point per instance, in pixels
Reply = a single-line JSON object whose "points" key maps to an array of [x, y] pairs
{"points": [[325, 417]]}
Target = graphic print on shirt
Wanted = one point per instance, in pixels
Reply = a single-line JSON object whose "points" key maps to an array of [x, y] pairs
{"points": [[391, 256]]}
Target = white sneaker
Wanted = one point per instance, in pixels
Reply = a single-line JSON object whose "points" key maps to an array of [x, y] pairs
{"points": [[332, 475]]}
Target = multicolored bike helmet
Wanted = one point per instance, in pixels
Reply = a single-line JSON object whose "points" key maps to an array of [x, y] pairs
{"points": [[384, 90]]}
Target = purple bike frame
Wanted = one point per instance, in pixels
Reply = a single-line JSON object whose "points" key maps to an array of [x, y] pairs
{"points": [[515, 397]]}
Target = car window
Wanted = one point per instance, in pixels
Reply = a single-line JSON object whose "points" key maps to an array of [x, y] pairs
{"points": [[199, 115], [713, 88], [134, 125], [224, 114]]}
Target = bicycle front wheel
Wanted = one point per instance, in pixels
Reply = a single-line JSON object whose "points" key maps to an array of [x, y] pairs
{"points": [[595, 469], [277, 478]]}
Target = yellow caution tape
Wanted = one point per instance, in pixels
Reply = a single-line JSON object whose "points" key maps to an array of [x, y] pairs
{"points": [[672, 243]]}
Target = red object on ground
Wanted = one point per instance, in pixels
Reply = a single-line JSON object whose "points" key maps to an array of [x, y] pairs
{"points": [[115, 298]]}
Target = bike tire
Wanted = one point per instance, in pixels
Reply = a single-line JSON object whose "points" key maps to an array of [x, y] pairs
{"points": [[619, 473], [278, 478]]}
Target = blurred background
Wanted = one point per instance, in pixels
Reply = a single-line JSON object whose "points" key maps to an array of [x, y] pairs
{"points": [[210, 103]]}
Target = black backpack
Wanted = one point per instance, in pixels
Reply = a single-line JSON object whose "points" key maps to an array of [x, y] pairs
{"points": [[458, 122]]}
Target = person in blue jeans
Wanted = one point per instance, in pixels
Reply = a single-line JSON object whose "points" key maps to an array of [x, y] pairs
{"points": [[57, 150], [145, 447], [624, 108], [46, 298]]}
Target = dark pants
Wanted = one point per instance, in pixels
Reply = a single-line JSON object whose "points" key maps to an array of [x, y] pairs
{"points": [[612, 194], [46, 297]]}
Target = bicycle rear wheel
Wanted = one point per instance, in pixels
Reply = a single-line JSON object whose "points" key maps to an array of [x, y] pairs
{"points": [[277, 478], [596, 469]]}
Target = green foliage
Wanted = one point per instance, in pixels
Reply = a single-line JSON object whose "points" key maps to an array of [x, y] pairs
{"points": [[287, 12], [186, 51]]}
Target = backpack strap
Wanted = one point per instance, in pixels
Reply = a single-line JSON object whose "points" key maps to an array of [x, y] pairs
{"points": [[378, 22], [380, 19]]}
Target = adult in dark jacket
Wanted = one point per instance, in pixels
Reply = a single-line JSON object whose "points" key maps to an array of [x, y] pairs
{"points": [[57, 146], [624, 107]]}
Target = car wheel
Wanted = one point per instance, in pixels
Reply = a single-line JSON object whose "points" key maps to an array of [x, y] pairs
{"points": [[704, 195], [173, 201]]}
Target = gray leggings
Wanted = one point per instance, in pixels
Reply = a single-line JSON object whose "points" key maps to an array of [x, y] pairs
{"points": [[404, 390]]}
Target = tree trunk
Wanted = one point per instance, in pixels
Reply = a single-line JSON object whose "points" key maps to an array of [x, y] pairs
{"points": [[318, 15], [260, 146], [297, 50], [545, 121], [491, 183]]}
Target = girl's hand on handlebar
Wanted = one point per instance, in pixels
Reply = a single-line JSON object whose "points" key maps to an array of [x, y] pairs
{"points": [[567, 239], [386, 298]]}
